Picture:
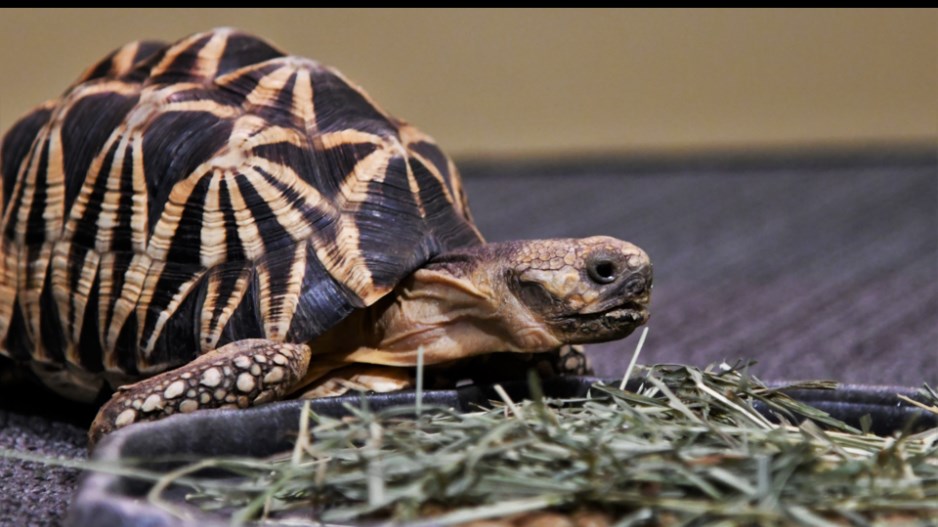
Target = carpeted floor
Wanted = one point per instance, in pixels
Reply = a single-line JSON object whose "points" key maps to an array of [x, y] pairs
{"points": [[817, 265]]}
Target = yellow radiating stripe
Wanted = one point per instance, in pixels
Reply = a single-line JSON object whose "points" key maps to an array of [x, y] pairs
{"points": [[27, 178], [277, 310], [107, 223], [165, 230], [264, 296], [124, 306], [228, 80], [80, 205], [334, 139], [95, 88], [462, 201], [414, 188], [213, 245], [211, 53], [289, 178], [411, 135], [269, 86], [54, 214], [353, 190], [139, 220], [9, 253], [209, 333], [290, 218], [123, 60], [108, 219], [206, 63], [251, 241], [143, 306], [26, 295], [303, 106], [108, 272], [222, 111], [72, 303], [251, 131]]}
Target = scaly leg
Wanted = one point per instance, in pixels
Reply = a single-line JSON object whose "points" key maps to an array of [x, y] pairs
{"points": [[237, 375], [570, 359], [360, 377]]}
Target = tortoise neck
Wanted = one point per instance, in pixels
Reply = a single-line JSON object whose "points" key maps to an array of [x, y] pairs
{"points": [[451, 312]]}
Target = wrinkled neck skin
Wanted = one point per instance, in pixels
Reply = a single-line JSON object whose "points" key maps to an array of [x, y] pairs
{"points": [[454, 308]]}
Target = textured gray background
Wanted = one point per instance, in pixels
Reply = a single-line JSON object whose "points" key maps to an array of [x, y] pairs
{"points": [[818, 265]]}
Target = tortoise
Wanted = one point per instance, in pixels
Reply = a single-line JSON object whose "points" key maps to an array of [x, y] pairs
{"points": [[215, 223]]}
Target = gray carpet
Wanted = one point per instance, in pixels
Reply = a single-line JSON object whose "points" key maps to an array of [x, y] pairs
{"points": [[815, 264], [35, 493]]}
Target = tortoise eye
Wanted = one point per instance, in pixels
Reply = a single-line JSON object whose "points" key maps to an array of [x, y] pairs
{"points": [[601, 271]]}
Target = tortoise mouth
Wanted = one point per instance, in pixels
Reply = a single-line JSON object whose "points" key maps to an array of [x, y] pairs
{"points": [[632, 311], [612, 323], [625, 312]]}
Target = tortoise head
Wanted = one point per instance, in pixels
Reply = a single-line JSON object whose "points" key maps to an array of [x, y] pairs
{"points": [[520, 296], [559, 291]]}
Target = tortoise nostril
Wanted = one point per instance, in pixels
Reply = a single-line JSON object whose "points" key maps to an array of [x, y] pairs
{"points": [[602, 271], [636, 285]]}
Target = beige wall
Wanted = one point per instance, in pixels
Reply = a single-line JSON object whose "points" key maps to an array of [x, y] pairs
{"points": [[510, 82]]}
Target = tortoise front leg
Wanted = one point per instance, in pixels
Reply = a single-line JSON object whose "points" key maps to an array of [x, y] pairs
{"points": [[240, 374]]}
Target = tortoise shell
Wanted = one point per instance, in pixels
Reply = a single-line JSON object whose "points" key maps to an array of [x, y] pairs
{"points": [[180, 197]]}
